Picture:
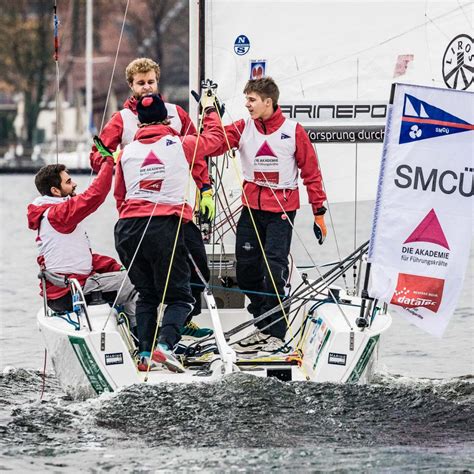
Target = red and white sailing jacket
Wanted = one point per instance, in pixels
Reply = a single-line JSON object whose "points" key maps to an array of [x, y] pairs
{"points": [[120, 130], [152, 172], [63, 244], [269, 160], [275, 191], [130, 122], [63, 253]]}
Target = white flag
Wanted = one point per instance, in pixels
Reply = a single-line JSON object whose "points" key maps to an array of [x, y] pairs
{"points": [[422, 227]]}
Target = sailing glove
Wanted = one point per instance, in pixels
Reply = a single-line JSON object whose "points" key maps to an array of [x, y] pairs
{"points": [[319, 226], [207, 206], [208, 94], [102, 149], [116, 154], [208, 98]]}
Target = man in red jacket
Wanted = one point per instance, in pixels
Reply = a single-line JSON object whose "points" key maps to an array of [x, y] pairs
{"points": [[272, 149], [143, 76], [63, 243], [150, 186]]}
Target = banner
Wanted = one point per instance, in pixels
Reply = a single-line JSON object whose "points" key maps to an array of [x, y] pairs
{"points": [[423, 218]]}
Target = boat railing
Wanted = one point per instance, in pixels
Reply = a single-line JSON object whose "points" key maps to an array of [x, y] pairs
{"points": [[79, 304]]}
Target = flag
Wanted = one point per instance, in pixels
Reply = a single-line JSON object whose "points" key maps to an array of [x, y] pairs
{"points": [[423, 217]]}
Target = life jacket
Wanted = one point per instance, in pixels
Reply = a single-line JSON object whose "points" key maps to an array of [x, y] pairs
{"points": [[156, 172], [269, 160], [64, 253], [130, 123]]}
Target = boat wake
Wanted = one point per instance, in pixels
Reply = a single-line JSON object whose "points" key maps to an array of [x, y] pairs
{"points": [[240, 411]]}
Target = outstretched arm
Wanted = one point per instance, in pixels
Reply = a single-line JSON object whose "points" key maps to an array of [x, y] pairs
{"points": [[198, 147], [111, 137], [188, 127], [64, 217]]}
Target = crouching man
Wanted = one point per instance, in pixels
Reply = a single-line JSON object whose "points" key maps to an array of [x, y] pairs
{"points": [[57, 217]]}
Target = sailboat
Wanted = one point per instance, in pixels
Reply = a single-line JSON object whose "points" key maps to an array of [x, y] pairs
{"points": [[335, 75]]}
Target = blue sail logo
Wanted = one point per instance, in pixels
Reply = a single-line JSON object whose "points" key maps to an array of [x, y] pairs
{"points": [[421, 120]]}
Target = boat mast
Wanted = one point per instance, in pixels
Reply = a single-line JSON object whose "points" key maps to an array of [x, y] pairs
{"points": [[202, 40], [196, 51], [89, 53]]}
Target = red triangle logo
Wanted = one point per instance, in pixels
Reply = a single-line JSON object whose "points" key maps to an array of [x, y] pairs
{"points": [[151, 159], [429, 230], [265, 150]]}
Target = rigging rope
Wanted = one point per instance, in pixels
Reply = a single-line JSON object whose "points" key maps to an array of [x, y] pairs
{"points": [[113, 68], [269, 185], [262, 249], [170, 266]]}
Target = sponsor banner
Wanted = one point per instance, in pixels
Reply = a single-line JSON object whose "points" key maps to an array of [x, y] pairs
{"points": [[336, 113], [340, 121], [422, 227], [360, 134]]}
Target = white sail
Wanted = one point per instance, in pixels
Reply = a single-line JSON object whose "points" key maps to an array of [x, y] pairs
{"points": [[337, 59]]}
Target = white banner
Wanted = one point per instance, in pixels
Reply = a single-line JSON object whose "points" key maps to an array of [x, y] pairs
{"points": [[423, 217]]}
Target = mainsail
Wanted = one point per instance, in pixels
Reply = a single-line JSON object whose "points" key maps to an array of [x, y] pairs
{"points": [[334, 63]]}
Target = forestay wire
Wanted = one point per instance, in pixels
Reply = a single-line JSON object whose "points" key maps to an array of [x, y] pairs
{"points": [[113, 68]]}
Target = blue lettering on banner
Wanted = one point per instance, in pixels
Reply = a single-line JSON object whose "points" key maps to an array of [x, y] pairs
{"points": [[241, 45]]}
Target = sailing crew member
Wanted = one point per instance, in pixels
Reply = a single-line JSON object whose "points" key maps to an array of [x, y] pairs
{"points": [[272, 149], [64, 248], [151, 178], [143, 75]]}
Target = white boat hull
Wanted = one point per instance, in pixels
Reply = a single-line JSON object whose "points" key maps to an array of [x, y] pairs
{"points": [[90, 362]]}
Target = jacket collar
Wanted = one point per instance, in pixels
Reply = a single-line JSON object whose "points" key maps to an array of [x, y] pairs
{"points": [[271, 124], [153, 133]]}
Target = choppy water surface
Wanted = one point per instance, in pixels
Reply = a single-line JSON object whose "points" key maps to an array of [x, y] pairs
{"points": [[241, 423], [417, 416]]}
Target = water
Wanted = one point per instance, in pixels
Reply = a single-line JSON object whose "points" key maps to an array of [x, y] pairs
{"points": [[418, 415]]}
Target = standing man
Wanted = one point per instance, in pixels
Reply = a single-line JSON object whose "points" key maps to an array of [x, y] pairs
{"points": [[150, 184], [143, 76], [272, 149], [63, 243]]}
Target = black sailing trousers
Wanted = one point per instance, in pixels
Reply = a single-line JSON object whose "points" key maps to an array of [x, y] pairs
{"points": [[148, 274], [275, 233], [195, 246]]}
